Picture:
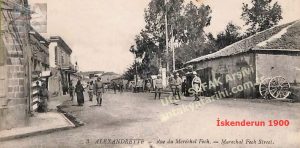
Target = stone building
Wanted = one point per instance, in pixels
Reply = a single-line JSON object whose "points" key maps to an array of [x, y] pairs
{"points": [[273, 52], [61, 66], [39, 64], [14, 45]]}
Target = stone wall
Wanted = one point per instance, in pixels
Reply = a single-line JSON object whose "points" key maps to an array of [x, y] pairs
{"points": [[14, 36]]}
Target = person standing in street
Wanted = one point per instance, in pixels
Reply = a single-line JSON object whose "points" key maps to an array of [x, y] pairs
{"points": [[171, 84], [44, 97], [184, 87], [79, 93], [71, 91], [148, 85], [177, 85], [99, 90], [121, 86], [158, 86], [196, 84], [90, 88], [114, 86]]}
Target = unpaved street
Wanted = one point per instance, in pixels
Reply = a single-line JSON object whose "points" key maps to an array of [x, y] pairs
{"points": [[137, 116]]}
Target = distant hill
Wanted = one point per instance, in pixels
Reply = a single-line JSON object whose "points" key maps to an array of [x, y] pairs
{"points": [[109, 73]]}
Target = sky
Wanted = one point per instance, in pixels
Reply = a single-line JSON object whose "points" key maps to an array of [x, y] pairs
{"points": [[100, 32]]}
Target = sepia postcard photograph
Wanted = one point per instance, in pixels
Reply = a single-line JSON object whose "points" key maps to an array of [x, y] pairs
{"points": [[150, 74]]}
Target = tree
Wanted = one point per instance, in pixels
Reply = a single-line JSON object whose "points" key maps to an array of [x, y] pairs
{"points": [[191, 36], [194, 49], [261, 15], [195, 20], [155, 24], [185, 26], [130, 72], [229, 36]]}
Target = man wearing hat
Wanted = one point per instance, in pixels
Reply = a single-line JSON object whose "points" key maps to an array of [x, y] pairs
{"points": [[99, 86], [196, 84], [177, 85], [90, 88], [171, 84], [158, 86]]}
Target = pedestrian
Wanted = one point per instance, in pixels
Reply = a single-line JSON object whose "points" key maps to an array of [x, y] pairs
{"points": [[148, 85], [44, 97], [184, 87], [121, 86], [94, 88], [71, 91], [177, 85], [65, 88], [196, 85], [106, 87], [79, 92], [90, 88], [171, 84], [114, 86], [99, 90], [158, 86]]}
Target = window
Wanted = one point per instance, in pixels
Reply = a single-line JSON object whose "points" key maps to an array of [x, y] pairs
{"points": [[62, 59], [56, 55]]}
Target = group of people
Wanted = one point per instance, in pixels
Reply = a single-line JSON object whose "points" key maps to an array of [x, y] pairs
{"points": [[96, 88], [177, 84], [117, 86]]}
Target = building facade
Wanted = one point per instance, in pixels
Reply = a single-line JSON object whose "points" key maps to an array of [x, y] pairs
{"points": [[270, 53], [14, 47], [39, 64], [61, 66]]}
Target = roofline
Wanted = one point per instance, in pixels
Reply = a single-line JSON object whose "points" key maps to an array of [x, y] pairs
{"points": [[61, 42], [287, 25], [38, 36], [252, 50], [241, 53]]}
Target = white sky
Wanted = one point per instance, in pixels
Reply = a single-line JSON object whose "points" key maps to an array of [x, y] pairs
{"points": [[100, 32]]}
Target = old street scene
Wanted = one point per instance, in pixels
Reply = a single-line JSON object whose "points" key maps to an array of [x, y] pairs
{"points": [[149, 73]]}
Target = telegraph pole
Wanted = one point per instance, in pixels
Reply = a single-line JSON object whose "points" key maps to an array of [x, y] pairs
{"points": [[172, 47], [167, 38], [136, 71]]}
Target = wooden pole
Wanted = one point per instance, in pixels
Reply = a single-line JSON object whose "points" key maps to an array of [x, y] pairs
{"points": [[27, 56], [172, 47], [167, 38]]}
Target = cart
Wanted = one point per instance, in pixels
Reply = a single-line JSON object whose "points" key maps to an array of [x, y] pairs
{"points": [[274, 88]]}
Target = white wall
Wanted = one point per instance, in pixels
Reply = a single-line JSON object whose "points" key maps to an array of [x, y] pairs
{"points": [[52, 54], [270, 65]]}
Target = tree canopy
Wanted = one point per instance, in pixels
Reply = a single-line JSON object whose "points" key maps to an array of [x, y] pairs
{"points": [[230, 35], [186, 24], [261, 15]]}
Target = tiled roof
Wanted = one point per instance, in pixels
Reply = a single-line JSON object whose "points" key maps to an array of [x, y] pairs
{"points": [[282, 37]]}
